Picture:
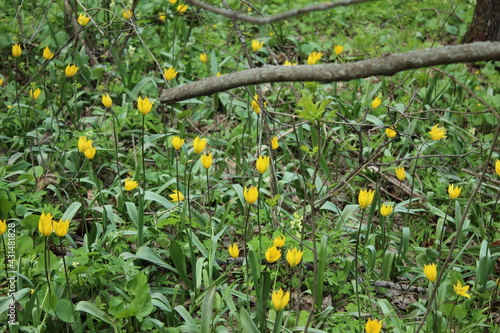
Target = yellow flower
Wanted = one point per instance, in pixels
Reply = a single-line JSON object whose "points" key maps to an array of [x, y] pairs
{"points": [[127, 14], [199, 144], [144, 105], [45, 224], [173, 2], [373, 326], [294, 257], [181, 9], [234, 251], [280, 299], [83, 19], [204, 58], [437, 133], [61, 228], [386, 210], [3, 227], [130, 184], [161, 16], [106, 100], [279, 241], [219, 74], [400, 173], [262, 164], [390, 132], [255, 104], [256, 45], [313, 58], [90, 152], [35, 94], [273, 254], [454, 191], [177, 196], [1, 81], [83, 144], [169, 74], [274, 143], [71, 70], [461, 291], [251, 194], [338, 50], [16, 50], [288, 63], [497, 165], [206, 160], [177, 142], [430, 272], [47, 54], [376, 103], [365, 198]]}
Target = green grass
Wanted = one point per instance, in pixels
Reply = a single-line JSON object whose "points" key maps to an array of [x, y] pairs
{"points": [[137, 261]]}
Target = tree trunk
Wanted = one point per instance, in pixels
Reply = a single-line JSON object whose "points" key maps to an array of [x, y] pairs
{"points": [[485, 25]]}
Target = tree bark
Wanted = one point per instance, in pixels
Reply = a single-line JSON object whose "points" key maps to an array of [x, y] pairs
{"points": [[485, 25]]}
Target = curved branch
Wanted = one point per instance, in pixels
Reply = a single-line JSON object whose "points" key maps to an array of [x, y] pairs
{"points": [[386, 65], [273, 18]]}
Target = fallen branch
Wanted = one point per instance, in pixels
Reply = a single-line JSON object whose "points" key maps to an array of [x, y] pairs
{"points": [[385, 65]]}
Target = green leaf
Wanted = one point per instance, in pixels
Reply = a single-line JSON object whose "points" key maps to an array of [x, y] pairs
{"points": [[180, 263], [64, 311], [93, 310], [206, 309]]}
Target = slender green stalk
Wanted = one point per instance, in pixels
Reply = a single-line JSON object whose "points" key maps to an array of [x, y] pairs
{"points": [[356, 253], [140, 226]]}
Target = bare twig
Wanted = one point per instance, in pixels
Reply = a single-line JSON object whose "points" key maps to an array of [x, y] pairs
{"points": [[277, 17], [386, 65]]}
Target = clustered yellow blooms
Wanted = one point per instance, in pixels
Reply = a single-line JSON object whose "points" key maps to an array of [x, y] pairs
{"points": [[376, 103], [47, 54], [144, 105], [251, 194], [279, 241], [199, 145], [16, 50], [400, 173], [390, 132], [169, 74], [176, 196], [430, 272], [234, 251], [83, 19], [273, 254], [314, 57], [106, 100], [255, 104], [262, 164], [71, 70], [373, 326], [130, 184], [85, 146], [274, 143], [280, 299], [34, 94], [127, 14], [256, 45], [3, 227], [454, 191], [461, 291], [206, 160], [365, 198], [182, 8], [204, 58], [177, 142], [386, 210], [338, 50], [294, 256], [437, 132]]}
